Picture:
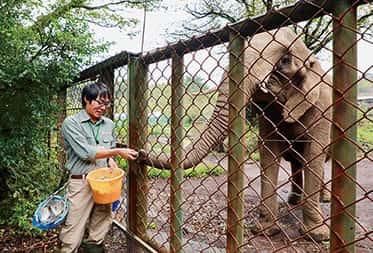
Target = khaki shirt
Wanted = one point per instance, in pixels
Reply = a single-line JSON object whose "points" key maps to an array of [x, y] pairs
{"points": [[78, 133]]}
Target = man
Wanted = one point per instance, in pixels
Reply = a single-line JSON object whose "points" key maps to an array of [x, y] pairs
{"points": [[89, 140]]}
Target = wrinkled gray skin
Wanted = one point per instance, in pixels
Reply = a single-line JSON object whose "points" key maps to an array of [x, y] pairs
{"points": [[280, 62]]}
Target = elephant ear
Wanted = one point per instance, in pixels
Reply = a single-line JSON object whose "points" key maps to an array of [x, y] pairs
{"points": [[306, 79]]}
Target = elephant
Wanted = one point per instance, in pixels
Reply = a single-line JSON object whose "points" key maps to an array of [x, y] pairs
{"points": [[292, 95]]}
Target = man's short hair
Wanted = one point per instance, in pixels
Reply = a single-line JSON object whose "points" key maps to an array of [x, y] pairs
{"points": [[95, 90]]}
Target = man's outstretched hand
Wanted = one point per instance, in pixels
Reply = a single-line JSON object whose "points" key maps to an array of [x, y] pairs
{"points": [[127, 153]]}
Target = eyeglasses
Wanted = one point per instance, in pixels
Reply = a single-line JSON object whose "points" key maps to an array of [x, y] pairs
{"points": [[102, 103]]}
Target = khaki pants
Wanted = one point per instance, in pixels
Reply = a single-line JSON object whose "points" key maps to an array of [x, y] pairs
{"points": [[84, 213]]}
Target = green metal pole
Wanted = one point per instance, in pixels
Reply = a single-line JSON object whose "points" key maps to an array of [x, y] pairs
{"points": [[177, 172], [137, 129], [236, 152], [344, 116]]}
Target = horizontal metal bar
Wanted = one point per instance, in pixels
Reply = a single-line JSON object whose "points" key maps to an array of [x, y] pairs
{"points": [[301, 11], [142, 243], [113, 62]]}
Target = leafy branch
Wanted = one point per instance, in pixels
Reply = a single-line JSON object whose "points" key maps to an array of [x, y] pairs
{"points": [[211, 14]]}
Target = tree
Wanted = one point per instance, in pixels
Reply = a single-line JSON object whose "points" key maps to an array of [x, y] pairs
{"points": [[194, 83], [213, 14], [44, 44]]}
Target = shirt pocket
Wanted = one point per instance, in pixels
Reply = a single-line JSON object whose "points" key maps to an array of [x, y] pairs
{"points": [[91, 140], [107, 140]]}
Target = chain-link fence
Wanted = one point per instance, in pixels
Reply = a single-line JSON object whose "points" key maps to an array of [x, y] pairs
{"points": [[250, 142]]}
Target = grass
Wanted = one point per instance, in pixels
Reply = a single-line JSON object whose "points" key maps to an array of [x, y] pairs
{"points": [[251, 137], [365, 129], [365, 88], [195, 106], [152, 225], [195, 119], [201, 170]]}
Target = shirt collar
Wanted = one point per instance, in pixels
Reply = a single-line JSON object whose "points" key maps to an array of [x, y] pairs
{"points": [[84, 117]]}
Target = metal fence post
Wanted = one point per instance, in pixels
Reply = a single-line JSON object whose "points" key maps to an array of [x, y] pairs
{"points": [[177, 171], [344, 128], [236, 160], [137, 174]]}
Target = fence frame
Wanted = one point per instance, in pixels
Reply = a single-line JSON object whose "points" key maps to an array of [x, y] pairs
{"points": [[236, 156], [344, 156], [177, 171], [344, 152]]}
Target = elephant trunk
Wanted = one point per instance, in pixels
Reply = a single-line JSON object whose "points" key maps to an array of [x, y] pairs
{"points": [[260, 57], [214, 133]]}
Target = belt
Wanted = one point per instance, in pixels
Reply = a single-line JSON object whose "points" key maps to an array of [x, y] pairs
{"points": [[78, 176]]}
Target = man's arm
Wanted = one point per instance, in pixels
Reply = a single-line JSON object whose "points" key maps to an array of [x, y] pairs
{"points": [[72, 134], [126, 153]]}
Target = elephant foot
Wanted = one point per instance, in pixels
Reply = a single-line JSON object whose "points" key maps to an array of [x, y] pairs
{"points": [[318, 234], [294, 198], [265, 226], [325, 196]]}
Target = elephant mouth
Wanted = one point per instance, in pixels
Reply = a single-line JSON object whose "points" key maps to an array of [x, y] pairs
{"points": [[277, 86], [273, 74]]}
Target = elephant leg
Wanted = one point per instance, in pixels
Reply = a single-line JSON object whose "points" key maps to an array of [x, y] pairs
{"points": [[314, 225], [296, 191], [268, 209], [325, 195]]}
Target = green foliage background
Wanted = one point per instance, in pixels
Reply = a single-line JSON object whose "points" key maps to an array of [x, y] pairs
{"points": [[36, 60], [44, 45]]}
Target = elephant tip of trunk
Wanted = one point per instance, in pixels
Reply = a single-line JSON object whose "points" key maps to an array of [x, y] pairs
{"points": [[290, 120], [142, 156]]}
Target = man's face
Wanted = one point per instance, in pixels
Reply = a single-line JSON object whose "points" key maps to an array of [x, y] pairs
{"points": [[97, 107]]}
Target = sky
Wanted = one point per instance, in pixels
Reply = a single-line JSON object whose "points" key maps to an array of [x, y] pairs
{"points": [[157, 23]]}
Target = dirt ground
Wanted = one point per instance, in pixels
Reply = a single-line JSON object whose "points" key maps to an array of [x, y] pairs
{"points": [[205, 210], [48, 242]]}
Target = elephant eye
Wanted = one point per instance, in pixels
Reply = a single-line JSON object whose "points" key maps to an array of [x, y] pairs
{"points": [[286, 60]]}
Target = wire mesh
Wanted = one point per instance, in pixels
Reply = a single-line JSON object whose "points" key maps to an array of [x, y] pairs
{"points": [[287, 170], [120, 118]]}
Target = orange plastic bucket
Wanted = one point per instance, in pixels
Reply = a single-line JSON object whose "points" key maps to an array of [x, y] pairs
{"points": [[106, 185]]}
